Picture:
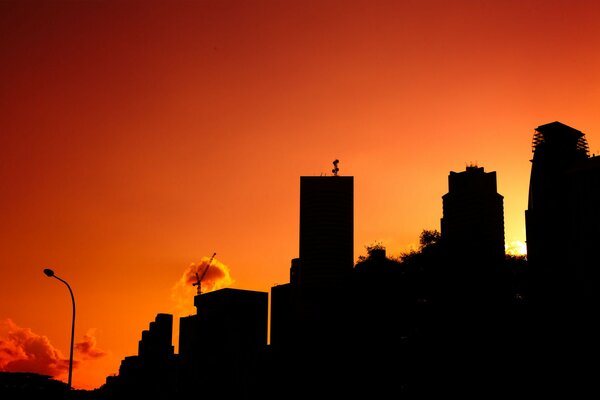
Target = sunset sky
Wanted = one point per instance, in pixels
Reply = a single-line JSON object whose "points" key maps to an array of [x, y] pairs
{"points": [[137, 138]]}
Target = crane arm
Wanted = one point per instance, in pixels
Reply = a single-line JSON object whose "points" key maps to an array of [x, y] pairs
{"points": [[199, 278], [207, 266]]}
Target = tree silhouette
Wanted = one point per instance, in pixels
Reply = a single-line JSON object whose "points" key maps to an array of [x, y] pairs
{"points": [[429, 237]]}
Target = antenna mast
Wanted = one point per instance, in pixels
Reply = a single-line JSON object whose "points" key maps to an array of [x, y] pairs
{"points": [[335, 167]]}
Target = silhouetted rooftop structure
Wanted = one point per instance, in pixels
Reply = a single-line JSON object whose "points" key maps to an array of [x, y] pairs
{"points": [[561, 135]]}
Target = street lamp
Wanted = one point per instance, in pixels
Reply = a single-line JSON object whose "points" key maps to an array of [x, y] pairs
{"points": [[50, 274]]}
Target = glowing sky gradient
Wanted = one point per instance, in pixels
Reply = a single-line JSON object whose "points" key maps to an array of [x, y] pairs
{"points": [[139, 137]]}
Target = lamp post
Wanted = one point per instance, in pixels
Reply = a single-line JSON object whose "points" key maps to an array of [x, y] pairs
{"points": [[50, 274]]}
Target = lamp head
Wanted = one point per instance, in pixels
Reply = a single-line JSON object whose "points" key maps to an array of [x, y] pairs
{"points": [[49, 272]]}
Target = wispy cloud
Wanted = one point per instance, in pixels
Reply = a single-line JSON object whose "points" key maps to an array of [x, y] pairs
{"points": [[88, 348]]}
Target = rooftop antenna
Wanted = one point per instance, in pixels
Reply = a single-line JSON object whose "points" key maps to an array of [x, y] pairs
{"points": [[335, 167], [199, 278]]}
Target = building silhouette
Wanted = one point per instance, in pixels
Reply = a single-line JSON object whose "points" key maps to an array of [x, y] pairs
{"points": [[317, 294], [441, 321], [583, 228], [473, 215], [284, 310], [310, 315], [326, 230], [153, 370], [472, 231], [562, 217], [563, 227], [221, 348]]}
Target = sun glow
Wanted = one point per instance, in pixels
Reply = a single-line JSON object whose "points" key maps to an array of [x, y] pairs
{"points": [[516, 248]]}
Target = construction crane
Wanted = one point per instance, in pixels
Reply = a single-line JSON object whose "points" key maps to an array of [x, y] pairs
{"points": [[199, 278]]}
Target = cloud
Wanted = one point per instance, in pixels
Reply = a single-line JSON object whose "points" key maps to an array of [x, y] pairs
{"points": [[217, 276], [22, 350], [87, 347]]}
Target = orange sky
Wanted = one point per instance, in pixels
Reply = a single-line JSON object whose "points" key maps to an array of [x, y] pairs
{"points": [[137, 138]]}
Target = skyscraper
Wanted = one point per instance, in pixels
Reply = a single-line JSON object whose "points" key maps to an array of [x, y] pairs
{"points": [[311, 328], [313, 304], [562, 218], [473, 216], [473, 238], [326, 230]]}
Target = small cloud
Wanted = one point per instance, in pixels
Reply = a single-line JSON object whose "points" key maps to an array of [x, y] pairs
{"points": [[22, 350], [217, 276], [87, 348]]}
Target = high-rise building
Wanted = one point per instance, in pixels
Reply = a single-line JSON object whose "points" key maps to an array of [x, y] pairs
{"points": [[563, 217], [473, 216], [472, 235], [326, 230], [312, 308]]}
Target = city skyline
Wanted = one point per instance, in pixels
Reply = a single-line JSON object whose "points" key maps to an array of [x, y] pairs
{"points": [[141, 140]]}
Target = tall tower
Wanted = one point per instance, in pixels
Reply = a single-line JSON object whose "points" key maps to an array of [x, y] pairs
{"points": [[473, 216], [473, 238], [312, 308], [312, 317], [558, 189], [326, 230]]}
